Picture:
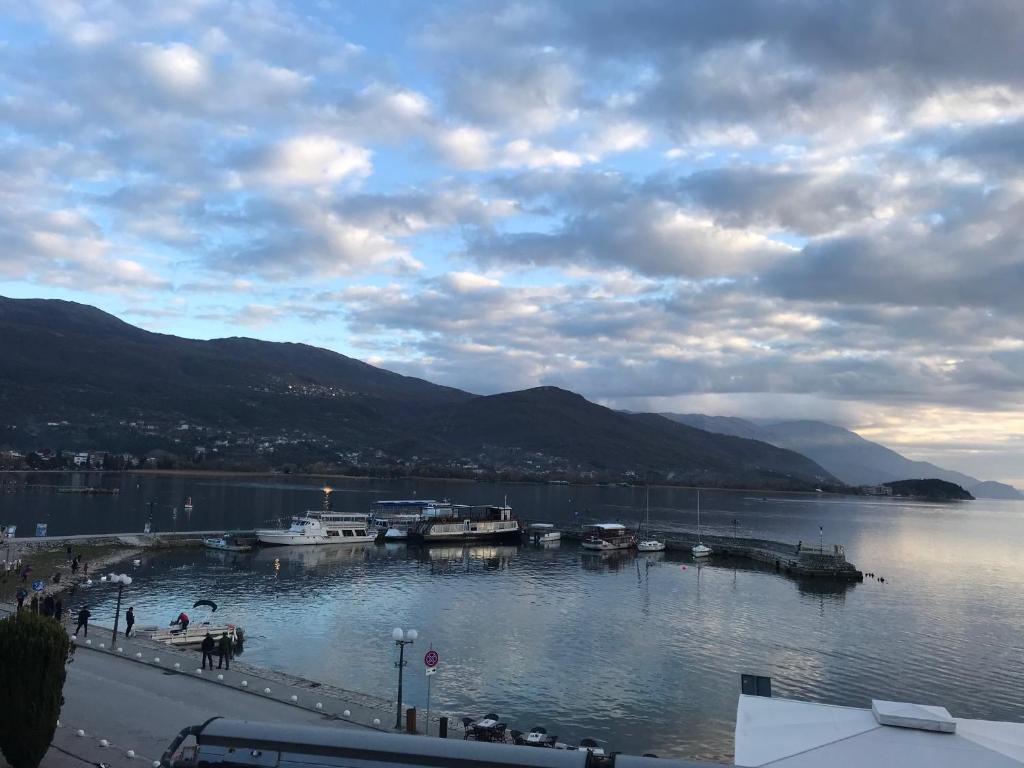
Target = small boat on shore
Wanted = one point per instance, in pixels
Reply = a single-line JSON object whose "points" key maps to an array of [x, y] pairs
{"points": [[605, 537], [231, 542], [467, 523], [542, 533], [193, 636]]}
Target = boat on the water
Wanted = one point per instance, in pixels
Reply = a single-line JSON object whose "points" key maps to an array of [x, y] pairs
{"points": [[393, 519], [468, 523], [700, 549], [607, 536], [542, 533], [647, 544], [188, 504], [320, 527], [231, 542]]}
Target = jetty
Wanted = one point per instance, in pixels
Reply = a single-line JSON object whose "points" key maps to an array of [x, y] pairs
{"points": [[802, 560]]}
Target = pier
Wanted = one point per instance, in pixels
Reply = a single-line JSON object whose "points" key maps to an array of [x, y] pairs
{"points": [[801, 560]]}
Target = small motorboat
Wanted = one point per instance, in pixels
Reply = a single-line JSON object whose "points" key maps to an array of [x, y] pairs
{"points": [[230, 542], [194, 635], [542, 533]]}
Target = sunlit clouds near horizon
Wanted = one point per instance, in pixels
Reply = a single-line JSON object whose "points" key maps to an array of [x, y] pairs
{"points": [[770, 209]]}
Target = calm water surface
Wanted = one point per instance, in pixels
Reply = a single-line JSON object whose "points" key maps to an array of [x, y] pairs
{"points": [[644, 652]]}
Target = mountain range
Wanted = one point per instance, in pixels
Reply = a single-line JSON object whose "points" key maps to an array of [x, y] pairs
{"points": [[72, 376], [845, 454]]}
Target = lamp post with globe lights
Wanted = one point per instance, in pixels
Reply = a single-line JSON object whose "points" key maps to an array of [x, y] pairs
{"points": [[122, 580], [402, 639]]}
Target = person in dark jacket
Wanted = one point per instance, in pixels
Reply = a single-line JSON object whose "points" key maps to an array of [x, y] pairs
{"points": [[207, 647], [21, 595], [58, 609], [48, 605], [83, 620], [224, 651], [129, 621]]}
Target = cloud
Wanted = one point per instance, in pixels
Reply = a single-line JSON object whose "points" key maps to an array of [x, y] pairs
{"points": [[308, 161]]}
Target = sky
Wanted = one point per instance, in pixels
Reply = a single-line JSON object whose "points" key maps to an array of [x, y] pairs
{"points": [[780, 209]]}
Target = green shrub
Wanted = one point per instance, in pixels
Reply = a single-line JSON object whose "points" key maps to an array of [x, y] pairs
{"points": [[34, 650]]}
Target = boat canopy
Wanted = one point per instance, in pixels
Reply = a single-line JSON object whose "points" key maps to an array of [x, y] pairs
{"points": [[544, 526], [607, 526]]}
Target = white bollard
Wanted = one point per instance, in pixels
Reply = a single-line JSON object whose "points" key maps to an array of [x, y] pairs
{"points": [[199, 671], [102, 645], [138, 654], [177, 665], [80, 732], [120, 649], [155, 658], [88, 641], [266, 690], [346, 713], [58, 723], [220, 677], [104, 743], [156, 764], [319, 705], [130, 753], [294, 697], [245, 683], [376, 721]]}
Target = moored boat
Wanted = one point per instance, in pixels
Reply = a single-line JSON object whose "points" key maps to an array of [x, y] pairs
{"points": [[231, 542], [468, 523], [542, 533], [193, 635], [320, 527], [700, 549], [607, 537], [393, 519]]}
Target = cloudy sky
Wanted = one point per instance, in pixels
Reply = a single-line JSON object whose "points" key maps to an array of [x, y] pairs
{"points": [[749, 208]]}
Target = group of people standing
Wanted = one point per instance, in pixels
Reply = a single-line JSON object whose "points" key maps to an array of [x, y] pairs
{"points": [[223, 647]]}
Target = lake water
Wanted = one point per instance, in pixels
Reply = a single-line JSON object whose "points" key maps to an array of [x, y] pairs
{"points": [[644, 652]]}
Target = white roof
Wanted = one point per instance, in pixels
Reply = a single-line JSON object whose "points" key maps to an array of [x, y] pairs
{"points": [[798, 734], [542, 525], [608, 526]]}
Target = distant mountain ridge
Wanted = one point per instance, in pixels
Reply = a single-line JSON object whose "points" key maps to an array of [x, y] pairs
{"points": [[847, 455], [72, 376]]}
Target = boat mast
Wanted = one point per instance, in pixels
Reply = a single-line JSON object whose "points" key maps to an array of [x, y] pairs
{"points": [[699, 539]]}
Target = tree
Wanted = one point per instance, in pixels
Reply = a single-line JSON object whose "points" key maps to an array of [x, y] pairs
{"points": [[34, 650]]}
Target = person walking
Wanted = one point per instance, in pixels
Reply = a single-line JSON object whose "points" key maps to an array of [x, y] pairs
{"points": [[58, 610], [207, 647], [48, 605], [129, 621], [21, 594], [69, 553], [74, 564], [83, 620], [224, 651]]}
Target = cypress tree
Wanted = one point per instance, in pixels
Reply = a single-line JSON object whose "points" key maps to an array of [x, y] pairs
{"points": [[34, 650]]}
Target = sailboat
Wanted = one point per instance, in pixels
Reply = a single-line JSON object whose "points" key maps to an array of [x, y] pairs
{"points": [[699, 549], [649, 545]]}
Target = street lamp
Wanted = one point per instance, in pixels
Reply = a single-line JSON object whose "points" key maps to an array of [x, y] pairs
{"points": [[122, 580], [401, 639]]}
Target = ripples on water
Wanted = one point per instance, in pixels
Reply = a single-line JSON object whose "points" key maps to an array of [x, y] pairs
{"points": [[647, 658]]}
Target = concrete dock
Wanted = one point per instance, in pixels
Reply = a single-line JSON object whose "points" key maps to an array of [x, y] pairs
{"points": [[799, 560]]}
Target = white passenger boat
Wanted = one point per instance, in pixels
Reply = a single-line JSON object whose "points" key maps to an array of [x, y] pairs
{"points": [[393, 519], [468, 523], [322, 527], [606, 537], [542, 533]]}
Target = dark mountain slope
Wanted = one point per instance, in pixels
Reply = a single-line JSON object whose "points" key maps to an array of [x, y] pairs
{"points": [[555, 422]]}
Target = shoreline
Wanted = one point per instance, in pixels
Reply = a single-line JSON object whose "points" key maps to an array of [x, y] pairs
{"points": [[227, 473]]}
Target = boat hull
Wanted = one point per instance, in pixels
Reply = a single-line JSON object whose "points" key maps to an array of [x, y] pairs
{"points": [[651, 546], [286, 539], [222, 546], [607, 546], [513, 535]]}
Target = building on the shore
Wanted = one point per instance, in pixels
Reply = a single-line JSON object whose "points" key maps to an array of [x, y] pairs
{"points": [[799, 734]]}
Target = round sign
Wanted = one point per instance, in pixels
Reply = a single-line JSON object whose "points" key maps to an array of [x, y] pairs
{"points": [[39, 586], [431, 659]]}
